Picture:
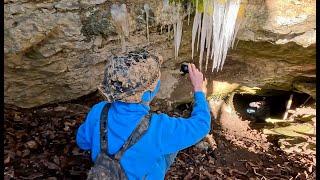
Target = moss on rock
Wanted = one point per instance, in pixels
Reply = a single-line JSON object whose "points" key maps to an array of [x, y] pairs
{"points": [[98, 24]]}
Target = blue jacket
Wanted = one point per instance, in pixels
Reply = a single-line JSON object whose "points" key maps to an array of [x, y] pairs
{"points": [[164, 136]]}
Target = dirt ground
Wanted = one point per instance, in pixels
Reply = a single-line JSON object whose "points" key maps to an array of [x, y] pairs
{"points": [[240, 152], [40, 144]]}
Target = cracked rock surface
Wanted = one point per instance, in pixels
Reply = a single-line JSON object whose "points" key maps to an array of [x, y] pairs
{"points": [[56, 50]]}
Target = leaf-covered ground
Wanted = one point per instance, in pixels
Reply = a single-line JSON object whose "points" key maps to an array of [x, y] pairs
{"points": [[40, 144]]}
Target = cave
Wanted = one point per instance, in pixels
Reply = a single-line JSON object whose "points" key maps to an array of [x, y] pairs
{"points": [[274, 107]]}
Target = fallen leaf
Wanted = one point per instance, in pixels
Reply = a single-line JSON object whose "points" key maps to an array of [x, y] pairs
{"points": [[310, 168], [219, 171], [18, 153], [25, 152], [251, 164], [76, 151], [32, 176], [51, 165], [56, 160], [238, 172], [17, 118], [32, 144], [60, 108], [7, 160], [51, 178]]}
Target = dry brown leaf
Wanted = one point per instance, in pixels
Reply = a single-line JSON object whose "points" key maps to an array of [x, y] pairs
{"points": [[210, 176], [25, 152], [32, 176], [238, 172], [255, 172], [56, 160], [51, 165], [32, 144], [251, 164], [7, 160], [219, 171]]}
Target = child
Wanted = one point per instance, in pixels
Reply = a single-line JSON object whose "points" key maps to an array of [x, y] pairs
{"points": [[129, 84]]}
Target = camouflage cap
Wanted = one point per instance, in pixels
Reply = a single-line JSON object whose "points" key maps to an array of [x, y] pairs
{"points": [[127, 77]]}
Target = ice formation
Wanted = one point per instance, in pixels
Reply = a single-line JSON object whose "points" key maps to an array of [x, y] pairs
{"points": [[215, 25], [166, 18], [177, 29], [195, 28], [189, 12], [120, 17], [146, 9], [173, 15], [227, 33], [240, 21], [206, 31], [215, 28]]}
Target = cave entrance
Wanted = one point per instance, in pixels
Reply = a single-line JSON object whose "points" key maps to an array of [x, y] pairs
{"points": [[270, 105]]}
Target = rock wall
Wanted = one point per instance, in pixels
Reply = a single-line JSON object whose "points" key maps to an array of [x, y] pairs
{"points": [[56, 50], [280, 21]]}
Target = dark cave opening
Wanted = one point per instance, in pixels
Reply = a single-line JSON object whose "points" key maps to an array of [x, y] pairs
{"points": [[271, 105]]}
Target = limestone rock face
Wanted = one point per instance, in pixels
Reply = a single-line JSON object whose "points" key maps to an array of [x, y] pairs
{"points": [[280, 21], [56, 50]]}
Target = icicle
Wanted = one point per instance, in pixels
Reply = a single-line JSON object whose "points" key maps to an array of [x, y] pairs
{"points": [[222, 43], [177, 29], [239, 22], [146, 9], [233, 8], [205, 21], [178, 35], [189, 11], [175, 40], [165, 4], [195, 27], [126, 20], [120, 17], [209, 31], [218, 18], [199, 27], [224, 30]]}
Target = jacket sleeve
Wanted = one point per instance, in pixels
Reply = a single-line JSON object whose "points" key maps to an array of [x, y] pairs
{"points": [[180, 133], [85, 131]]}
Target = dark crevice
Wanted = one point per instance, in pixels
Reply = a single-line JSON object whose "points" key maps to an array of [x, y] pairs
{"points": [[273, 106]]}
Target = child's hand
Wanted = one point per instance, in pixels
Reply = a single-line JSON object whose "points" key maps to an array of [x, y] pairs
{"points": [[196, 78]]}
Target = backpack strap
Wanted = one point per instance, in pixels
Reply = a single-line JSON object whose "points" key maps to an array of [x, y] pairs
{"points": [[104, 128], [138, 132]]}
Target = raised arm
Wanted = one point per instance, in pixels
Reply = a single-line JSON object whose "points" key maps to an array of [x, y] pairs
{"points": [[180, 133]]}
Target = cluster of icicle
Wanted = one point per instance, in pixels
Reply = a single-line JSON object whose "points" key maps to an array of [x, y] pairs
{"points": [[216, 28], [120, 17], [174, 14]]}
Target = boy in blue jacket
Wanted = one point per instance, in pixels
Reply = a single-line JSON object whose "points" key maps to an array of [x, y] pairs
{"points": [[129, 84]]}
